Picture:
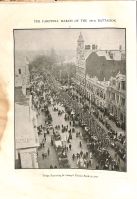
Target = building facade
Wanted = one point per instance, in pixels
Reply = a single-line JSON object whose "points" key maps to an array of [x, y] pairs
{"points": [[22, 75], [26, 137], [107, 95], [116, 98], [96, 91]]}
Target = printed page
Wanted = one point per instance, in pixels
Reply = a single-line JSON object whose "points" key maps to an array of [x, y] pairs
{"points": [[68, 100]]}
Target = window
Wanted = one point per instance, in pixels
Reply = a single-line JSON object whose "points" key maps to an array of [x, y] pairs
{"points": [[111, 55], [123, 101], [123, 85], [113, 96], [117, 97], [118, 85], [19, 71]]}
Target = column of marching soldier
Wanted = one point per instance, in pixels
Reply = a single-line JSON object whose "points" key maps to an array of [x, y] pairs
{"points": [[97, 135]]}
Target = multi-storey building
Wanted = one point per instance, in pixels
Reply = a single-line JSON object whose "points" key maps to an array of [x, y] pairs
{"points": [[116, 97], [97, 90], [97, 62], [27, 141], [22, 75]]}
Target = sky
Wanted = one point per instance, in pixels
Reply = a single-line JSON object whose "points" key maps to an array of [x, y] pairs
{"points": [[59, 39]]}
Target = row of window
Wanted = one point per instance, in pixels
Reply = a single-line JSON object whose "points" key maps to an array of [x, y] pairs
{"points": [[117, 98], [97, 91], [112, 96], [94, 90], [119, 85]]}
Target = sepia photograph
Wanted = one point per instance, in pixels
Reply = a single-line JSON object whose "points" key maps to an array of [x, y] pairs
{"points": [[70, 99]]}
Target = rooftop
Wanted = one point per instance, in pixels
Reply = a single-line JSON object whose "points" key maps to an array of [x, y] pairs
{"points": [[108, 54]]}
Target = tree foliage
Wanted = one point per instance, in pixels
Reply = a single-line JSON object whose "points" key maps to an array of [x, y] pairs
{"points": [[43, 62]]}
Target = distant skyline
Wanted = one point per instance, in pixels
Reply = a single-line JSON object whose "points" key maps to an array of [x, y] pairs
{"points": [[59, 39]]}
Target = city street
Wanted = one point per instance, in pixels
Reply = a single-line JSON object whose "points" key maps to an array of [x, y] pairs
{"points": [[47, 155], [75, 99], [52, 158]]}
